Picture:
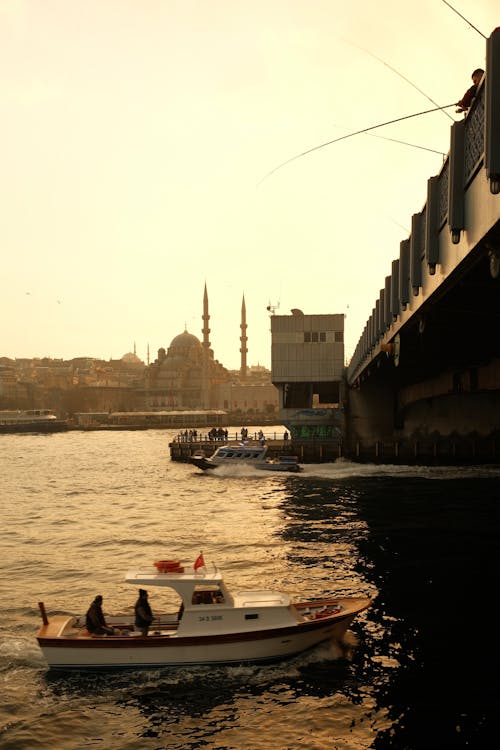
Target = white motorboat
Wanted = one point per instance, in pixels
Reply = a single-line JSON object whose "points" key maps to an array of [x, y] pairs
{"points": [[211, 626], [254, 455]]}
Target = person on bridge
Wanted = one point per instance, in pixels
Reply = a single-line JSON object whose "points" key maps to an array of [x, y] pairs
{"points": [[465, 102]]}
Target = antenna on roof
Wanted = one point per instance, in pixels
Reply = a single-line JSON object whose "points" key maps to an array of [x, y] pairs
{"points": [[272, 308]]}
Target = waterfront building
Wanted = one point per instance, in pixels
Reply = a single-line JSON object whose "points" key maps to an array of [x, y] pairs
{"points": [[307, 367], [185, 376]]}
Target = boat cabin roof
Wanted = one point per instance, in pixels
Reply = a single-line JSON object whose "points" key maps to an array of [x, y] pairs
{"points": [[152, 577], [190, 587], [183, 583]]}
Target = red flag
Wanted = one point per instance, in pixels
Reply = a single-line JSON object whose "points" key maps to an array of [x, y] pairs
{"points": [[199, 562]]}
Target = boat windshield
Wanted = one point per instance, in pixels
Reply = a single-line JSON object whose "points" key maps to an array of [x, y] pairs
{"points": [[207, 595], [235, 453]]}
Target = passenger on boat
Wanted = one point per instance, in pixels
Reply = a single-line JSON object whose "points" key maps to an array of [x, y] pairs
{"points": [[95, 621], [143, 613]]}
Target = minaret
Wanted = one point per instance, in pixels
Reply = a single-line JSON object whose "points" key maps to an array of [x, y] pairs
{"points": [[205, 395], [243, 339], [206, 318]]}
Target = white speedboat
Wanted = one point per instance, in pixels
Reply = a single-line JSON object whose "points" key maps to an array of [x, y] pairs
{"points": [[254, 455], [211, 626]]}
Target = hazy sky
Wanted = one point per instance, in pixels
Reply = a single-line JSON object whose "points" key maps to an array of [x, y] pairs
{"points": [[135, 135]]}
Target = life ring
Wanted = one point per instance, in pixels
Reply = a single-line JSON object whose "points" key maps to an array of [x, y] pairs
{"points": [[168, 566]]}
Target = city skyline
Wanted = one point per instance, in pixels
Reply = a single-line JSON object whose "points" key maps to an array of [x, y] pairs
{"points": [[139, 161]]}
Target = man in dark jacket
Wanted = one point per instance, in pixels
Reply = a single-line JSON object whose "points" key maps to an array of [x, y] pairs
{"points": [[143, 613], [466, 101], [95, 621]]}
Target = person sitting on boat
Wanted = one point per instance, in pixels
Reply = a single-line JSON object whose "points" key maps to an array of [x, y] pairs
{"points": [[95, 620], [143, 613]]}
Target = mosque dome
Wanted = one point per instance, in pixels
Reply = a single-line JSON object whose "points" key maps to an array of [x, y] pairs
{"points": [[184, 341], [131, 359]]}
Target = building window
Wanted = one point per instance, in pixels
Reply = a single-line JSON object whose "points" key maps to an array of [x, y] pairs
{"points": [[314, 337], [339, 337]]}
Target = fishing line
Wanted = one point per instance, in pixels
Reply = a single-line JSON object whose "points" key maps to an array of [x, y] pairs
{"points": [[394, 70], [412, 145], [403, 143], [464, 19], [350, 135]]}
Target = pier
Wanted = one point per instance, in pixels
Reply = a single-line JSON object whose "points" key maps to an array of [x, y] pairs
{"points": [[433, 451]]}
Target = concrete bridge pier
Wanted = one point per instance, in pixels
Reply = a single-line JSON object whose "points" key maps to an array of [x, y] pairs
{"points": [[450, 417], [371, 413]]}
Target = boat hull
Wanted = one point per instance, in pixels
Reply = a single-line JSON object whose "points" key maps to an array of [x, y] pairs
{"points": [[59, 425], [155, 650], [289, 467], [206, 464], [202, 463]]}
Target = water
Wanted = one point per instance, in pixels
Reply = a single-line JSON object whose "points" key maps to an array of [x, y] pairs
{"points": [[79, 509]]}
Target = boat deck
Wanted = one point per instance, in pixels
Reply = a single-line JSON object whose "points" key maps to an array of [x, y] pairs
{"points": [[61, 626]]}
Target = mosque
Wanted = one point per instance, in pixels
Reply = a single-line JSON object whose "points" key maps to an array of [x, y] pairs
{"points": [[187, 376]]}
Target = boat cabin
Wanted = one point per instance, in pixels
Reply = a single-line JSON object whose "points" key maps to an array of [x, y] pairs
{"points": [[208, 607], [234, 452]]}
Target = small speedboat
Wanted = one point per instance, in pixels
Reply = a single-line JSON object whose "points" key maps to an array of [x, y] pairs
{"points": [[253, 455], [211, 626]]}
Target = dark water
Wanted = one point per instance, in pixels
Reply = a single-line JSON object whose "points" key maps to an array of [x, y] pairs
{"points": [[419, 670]]}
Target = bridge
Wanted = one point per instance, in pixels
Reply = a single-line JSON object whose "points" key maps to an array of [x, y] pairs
{"points": [[424, 379]]}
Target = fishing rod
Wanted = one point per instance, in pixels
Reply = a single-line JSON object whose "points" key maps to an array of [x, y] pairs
{"points": [[464, 19], [397, 72], [351, 135], [403, 143]]}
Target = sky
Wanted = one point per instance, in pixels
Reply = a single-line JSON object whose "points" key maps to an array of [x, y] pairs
{"points": [[139, 153]]}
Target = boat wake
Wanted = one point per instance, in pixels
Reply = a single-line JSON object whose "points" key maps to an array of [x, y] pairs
{"points": [[344, 469]]}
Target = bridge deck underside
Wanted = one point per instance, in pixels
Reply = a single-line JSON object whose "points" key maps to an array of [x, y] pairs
{"points": [[456, 329]]}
